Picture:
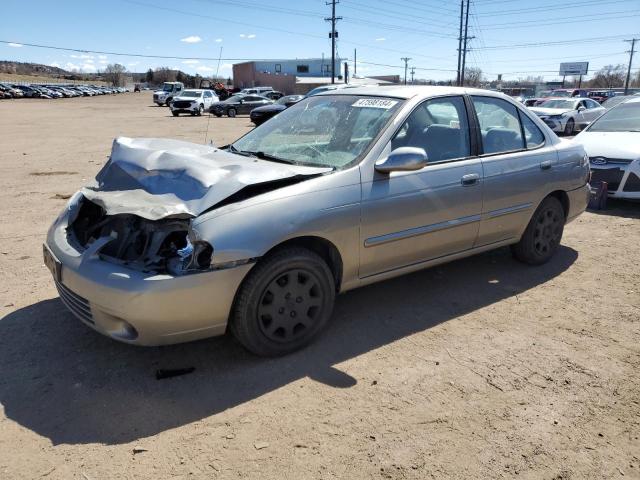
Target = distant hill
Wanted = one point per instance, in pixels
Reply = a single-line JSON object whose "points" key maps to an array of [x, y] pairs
{"points": [[22, 68]]}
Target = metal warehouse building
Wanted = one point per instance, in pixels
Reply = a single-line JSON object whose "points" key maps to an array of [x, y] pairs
{"points": [[281, 74]]}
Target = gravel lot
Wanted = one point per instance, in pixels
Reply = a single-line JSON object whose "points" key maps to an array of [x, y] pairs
{"points": [[483, 368]]}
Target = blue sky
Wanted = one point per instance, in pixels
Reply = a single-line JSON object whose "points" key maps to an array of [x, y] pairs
{"points": [[512, 36]]}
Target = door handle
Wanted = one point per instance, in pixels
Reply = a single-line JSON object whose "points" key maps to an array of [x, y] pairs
{"points": [[546, 165], [470, 179]]}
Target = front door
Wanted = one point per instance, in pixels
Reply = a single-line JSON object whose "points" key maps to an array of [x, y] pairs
{"points": [[412, 217]]}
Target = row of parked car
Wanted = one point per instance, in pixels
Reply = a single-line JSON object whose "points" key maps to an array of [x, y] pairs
{"points": [[14, 90], [567, 111]]}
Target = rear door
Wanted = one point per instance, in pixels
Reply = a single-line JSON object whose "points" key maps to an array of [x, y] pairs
{"points": [[249, 103], [412, 217], [517, 165]]}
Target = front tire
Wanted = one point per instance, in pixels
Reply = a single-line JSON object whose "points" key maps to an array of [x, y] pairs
{"points": [[542, 236], [200, 110], [284, 303], [570, 127]]}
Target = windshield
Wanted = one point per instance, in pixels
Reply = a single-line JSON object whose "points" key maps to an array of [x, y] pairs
{"points": [[324, 131], [623, 118], [567, 104], [560, 93], [190, 94], [284, 100], [168, 87]]}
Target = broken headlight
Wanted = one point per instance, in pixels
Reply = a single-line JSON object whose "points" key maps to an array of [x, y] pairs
{"points": [[193, 257]]}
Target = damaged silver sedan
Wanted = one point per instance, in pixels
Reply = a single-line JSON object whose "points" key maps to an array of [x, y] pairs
{"points": [[177, 241]]}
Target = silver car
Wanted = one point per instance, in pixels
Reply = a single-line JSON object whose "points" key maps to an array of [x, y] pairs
{"points": [[177, 241]]}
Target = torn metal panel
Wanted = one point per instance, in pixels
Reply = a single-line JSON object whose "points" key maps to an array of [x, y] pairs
{"points": [[157, 178]]}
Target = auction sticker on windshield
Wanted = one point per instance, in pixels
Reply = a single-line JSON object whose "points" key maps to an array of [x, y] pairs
{"points": [[375, 103]]}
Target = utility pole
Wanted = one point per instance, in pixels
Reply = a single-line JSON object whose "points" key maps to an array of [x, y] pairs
{"points": [[333, 19], [355, 62], [406, 65], [460, 42], [413, 71], [631, 52], [464, 47]]}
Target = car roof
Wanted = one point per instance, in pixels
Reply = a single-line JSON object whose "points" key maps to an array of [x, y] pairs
{"points": [[410, 91]]}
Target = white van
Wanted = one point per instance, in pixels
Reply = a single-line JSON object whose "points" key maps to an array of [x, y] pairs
{"points": [[256, 90]]}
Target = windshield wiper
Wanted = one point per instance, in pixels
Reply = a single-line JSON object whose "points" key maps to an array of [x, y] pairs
{"points": [[266, 156], [233, 149]]}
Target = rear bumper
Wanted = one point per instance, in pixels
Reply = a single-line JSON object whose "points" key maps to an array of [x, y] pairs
{"points": [[578, 201]]}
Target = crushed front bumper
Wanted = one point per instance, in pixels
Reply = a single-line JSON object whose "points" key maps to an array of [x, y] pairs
{"points": [[136, 307]]}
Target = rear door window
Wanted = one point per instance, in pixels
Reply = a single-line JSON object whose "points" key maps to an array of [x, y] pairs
{"points": [[499, 124]]}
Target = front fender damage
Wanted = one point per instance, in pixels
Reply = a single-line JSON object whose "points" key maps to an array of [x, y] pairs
{"points": [[141, 207]]}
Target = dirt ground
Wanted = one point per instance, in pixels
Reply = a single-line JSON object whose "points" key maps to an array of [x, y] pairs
{"points": [[479, 369]]}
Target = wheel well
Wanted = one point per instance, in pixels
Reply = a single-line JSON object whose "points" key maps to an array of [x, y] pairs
{"points": [[564, 200], [322, 247]]}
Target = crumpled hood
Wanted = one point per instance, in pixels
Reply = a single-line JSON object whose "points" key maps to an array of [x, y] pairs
{"points": [[624, 145], [157, 178], [549, 111]]}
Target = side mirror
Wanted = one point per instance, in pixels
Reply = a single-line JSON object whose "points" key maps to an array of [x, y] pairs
{"points": [[581, 108], [403, 159]]}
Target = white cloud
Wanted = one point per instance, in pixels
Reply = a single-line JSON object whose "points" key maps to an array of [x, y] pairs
{"points": [[83, 55], [191, 39], [242, 35], [133, 64], [226, 66], [250, 35], [380, 39], [85, 67], [55, 64], [15, 45], [190, 62], [104, 62], [205, 69], [90, 61], [102, 57], [218, 40], [253, 35]]}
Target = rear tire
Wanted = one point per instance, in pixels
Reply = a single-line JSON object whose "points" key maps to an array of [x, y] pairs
{"points": [[542, 237], [232, 112], [283, 303], [175, 114]]}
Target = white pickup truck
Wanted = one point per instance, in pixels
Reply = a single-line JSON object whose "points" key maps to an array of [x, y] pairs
{"points": [[169, 90]]}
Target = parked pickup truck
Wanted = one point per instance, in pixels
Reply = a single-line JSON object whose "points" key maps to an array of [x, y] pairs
{"points": [[169, 90]]}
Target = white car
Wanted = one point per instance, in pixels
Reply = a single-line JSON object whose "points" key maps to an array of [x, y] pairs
{"points": [[613, 145], [194, 101], [566, 115]]}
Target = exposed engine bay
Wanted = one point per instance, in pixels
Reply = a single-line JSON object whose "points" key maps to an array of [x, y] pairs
{"points": [[161, 246]]}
